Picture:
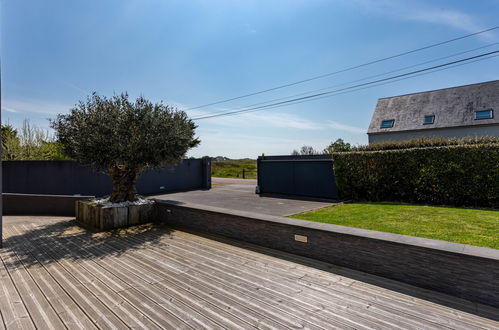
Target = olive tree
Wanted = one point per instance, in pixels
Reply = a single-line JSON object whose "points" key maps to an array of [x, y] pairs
{"points": [[122, 137]]}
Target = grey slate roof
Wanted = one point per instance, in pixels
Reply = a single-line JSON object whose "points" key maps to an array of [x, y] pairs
{"points": [[452, 107]]}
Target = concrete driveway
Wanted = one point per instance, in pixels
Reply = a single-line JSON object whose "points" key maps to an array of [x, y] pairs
{"points": [[239, 194]]}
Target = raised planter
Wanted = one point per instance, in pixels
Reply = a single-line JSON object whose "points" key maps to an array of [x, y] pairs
{"points": [[108, 217]]}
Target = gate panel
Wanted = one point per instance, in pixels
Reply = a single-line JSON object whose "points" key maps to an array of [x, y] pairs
{"points": [[277, 177], [311, 176]]}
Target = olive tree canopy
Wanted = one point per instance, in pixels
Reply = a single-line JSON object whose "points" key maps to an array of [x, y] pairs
{"points": [[123, 137]]}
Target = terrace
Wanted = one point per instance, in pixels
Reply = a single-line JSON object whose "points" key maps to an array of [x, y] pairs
{"points": [[57, 275]]}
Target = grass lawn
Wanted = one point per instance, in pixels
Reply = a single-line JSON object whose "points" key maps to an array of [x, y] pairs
{"points": [[233, 168], [460, 225]]}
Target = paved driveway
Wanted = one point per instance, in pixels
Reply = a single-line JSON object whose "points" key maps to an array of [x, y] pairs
{"points": [[239, 194]]}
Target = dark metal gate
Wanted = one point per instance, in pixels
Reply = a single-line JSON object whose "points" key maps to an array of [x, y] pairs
{"points": [[311, 176]]}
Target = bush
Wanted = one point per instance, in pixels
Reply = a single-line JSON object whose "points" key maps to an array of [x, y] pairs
{"points": [[425, 143], [461, 175], [30, 143]]}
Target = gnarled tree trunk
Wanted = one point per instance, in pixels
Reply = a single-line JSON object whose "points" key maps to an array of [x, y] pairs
{"points": [[124, 179]]}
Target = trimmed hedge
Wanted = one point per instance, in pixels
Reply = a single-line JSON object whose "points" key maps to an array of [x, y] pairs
{"points": [[425, 142], [461, 175]]}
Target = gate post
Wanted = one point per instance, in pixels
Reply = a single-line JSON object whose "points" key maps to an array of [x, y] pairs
{"points": [[258, 189], [206, 174]]}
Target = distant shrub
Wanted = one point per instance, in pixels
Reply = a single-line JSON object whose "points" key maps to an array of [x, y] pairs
{"points": [[337, 146], [30, 143], [459, 172]]}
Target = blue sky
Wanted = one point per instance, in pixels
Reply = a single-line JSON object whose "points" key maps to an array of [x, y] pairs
{"points": [[187, 53]]}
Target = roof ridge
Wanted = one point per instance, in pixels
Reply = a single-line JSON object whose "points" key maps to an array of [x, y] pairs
{"points": [[440, 89]]}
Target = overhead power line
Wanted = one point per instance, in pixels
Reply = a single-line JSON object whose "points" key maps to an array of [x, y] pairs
{"points": [[356, 80], [378, 84], [346, 69], [314, 96]]}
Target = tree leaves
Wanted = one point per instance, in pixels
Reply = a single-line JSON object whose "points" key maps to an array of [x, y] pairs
{"points": [[104, 132]]}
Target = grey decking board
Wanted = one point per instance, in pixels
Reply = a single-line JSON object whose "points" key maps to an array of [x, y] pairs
{"points": [[322, 269], [323, 302], [351, 315], [325, 298], [170, 264], [138, 271], [40, 310], [61, 302], [14, 312], [125, 321], [2, 322], [411, 307], [91, 304], [147, 283], [105, 297], [299, 295], [171, 280], [195, 273], [144, 264], [319, 268], [143, 295], [433, 304], [229, 274]]}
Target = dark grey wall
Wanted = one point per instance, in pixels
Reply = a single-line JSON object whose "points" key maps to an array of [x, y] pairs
{"points": [[460, 132], [22, 204], [460, 270], [71, 178], [310, 176]]}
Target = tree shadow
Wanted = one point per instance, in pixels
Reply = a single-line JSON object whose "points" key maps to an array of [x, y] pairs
{"points": [[29, 244]]}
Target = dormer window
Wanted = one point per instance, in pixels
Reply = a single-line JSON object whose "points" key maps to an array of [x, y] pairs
{"points": [[484, 114], [428, 120], [387, 123]]}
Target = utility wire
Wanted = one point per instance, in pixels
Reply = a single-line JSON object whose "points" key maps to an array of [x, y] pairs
{"points": [[357, 80], [362, 88], [351, 87], [376, 85], [345, 70]]}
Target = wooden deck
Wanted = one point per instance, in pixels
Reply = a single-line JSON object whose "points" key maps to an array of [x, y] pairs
{"points": [[55, 275]]}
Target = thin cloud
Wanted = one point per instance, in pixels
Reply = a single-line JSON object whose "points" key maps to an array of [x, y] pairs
{"points": [[76, 87], [9, 109], [426, 12], [274, 119], [347, 128], [283, 120], [19, 106]]}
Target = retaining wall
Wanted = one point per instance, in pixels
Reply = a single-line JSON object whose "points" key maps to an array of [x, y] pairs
{"points": [[24, 204]]}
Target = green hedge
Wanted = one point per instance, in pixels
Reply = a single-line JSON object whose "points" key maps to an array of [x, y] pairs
{"points": [[461, 175], [425, 142]]}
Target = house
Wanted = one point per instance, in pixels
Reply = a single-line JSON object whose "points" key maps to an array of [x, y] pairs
{"points": [[456, 112]]}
